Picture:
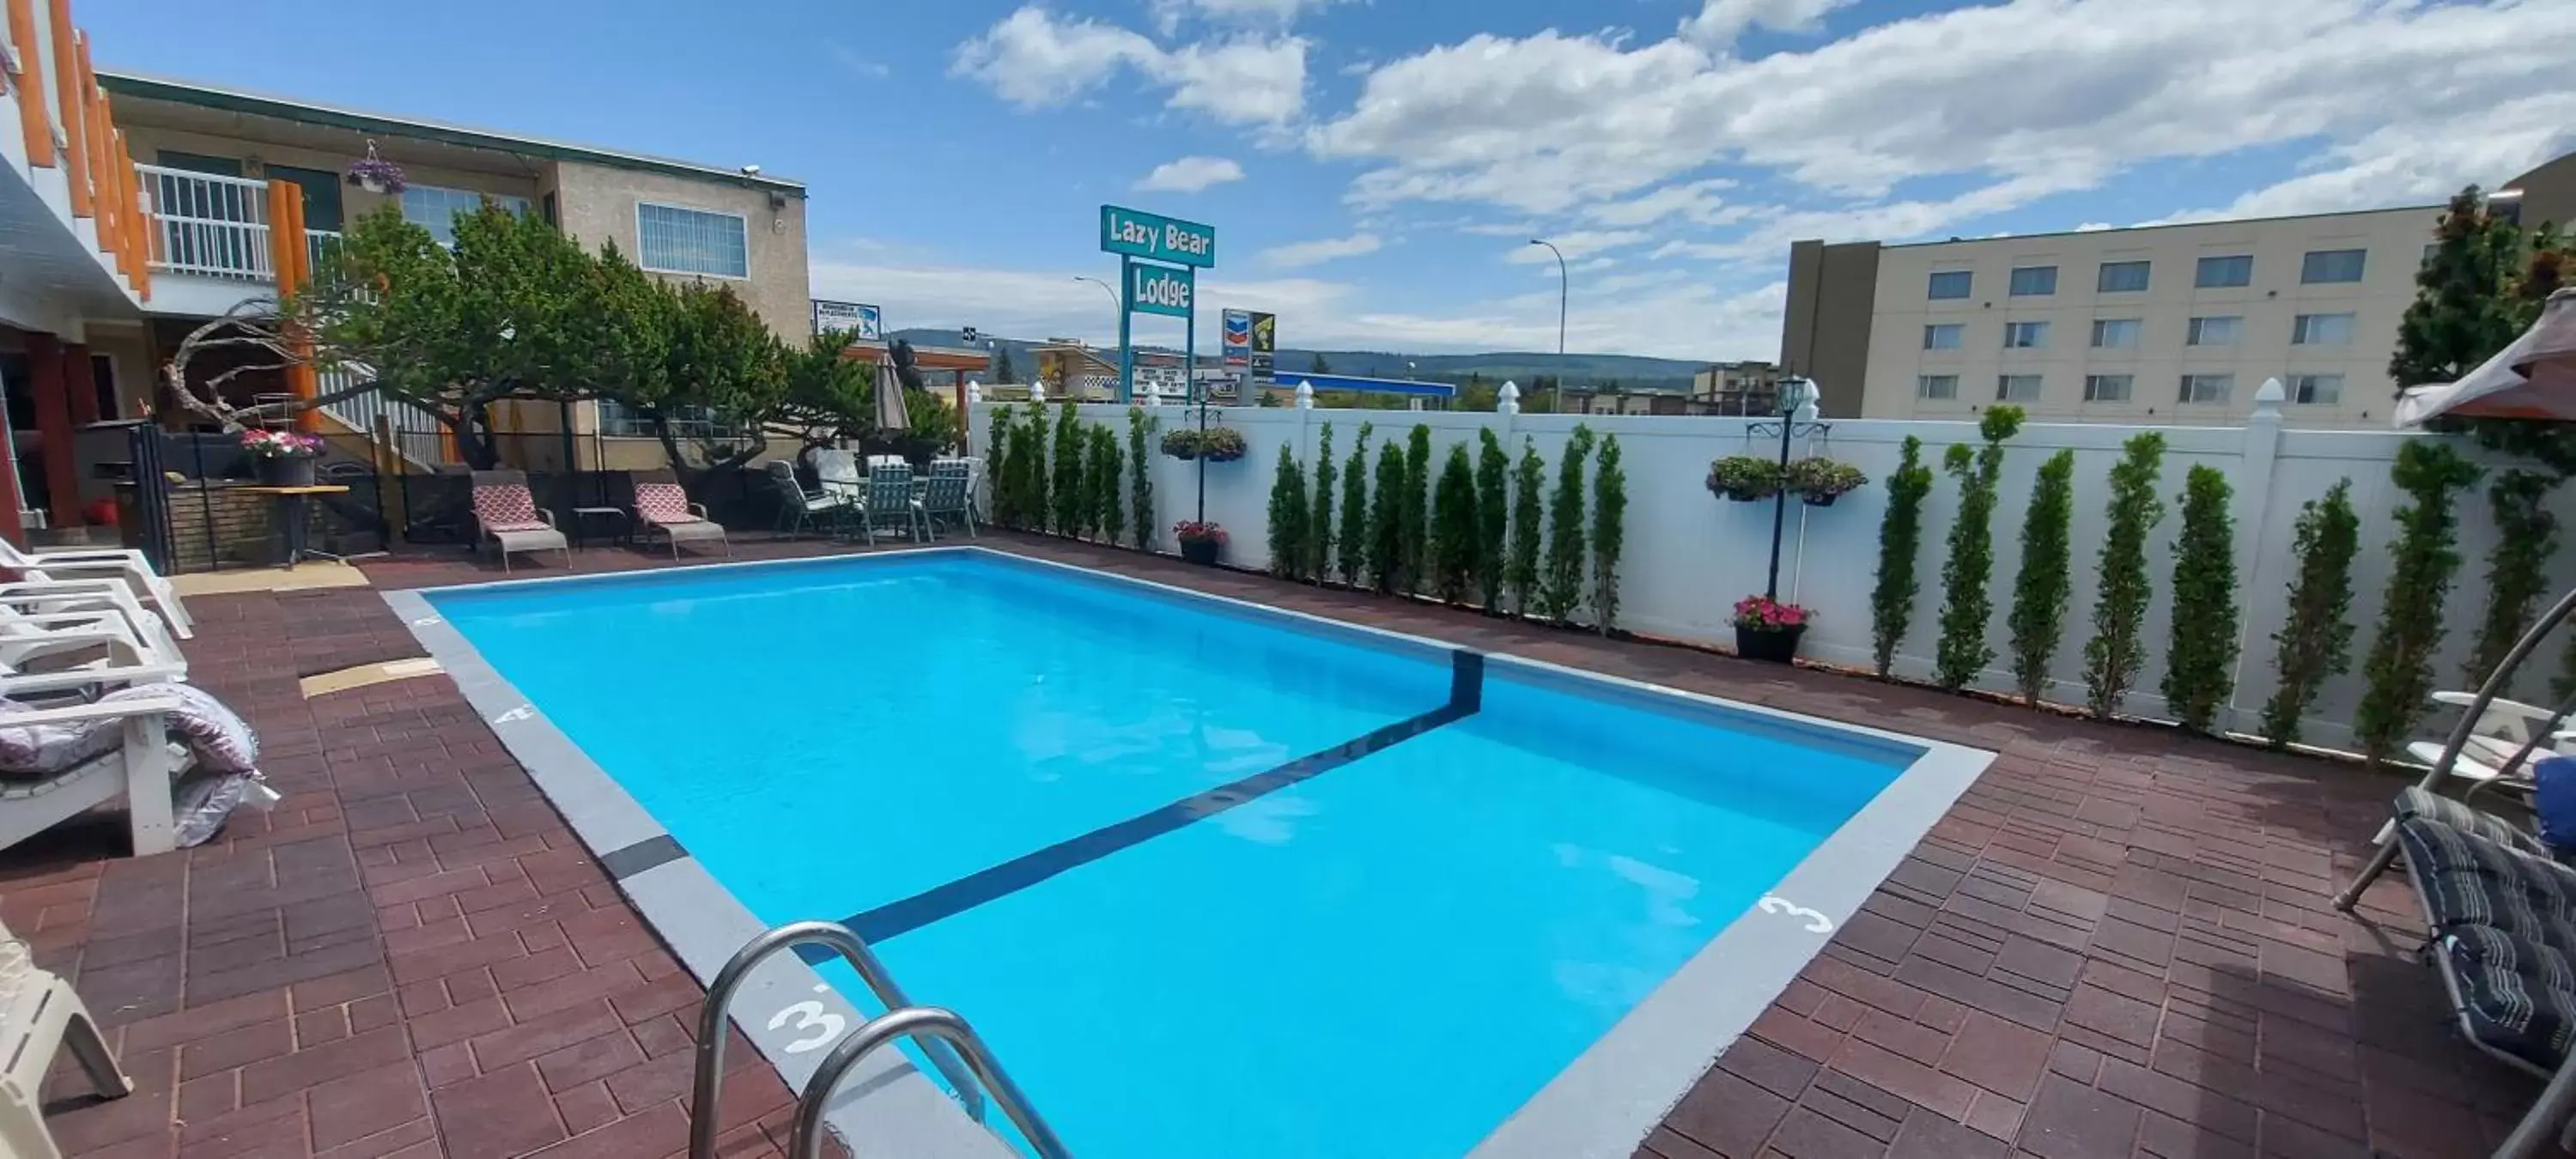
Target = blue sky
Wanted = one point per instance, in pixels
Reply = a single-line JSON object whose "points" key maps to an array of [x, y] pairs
{"points": [[1375, 169]]}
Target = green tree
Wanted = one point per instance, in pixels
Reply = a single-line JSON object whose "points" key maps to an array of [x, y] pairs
{"points": [[1386, 521], [1520, 571], [1005, 472], [1033, 478], [1900, 544], [1413, 564], [2200, 652], [1109, 516], [1966, 606], [1317, 365], [2526, 539], [1493, 516], [1609, 533], [2422, 562], [1003, 371], [1140, 487], [1318, 565], [2314, 643], [1287, 516], [2112, 656], [1352, 553], [1454, 528], [1068, 485], [2041, 588], [1561, 588], [2459, 318]]}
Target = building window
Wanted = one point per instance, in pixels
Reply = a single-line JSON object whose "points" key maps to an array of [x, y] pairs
{"points": [[2025, 335], [2116, 333], [2219, 273], [674, 240], [617, 420], [2327, 266], [2122, 278], [2316, 389], [2017, 388], [435, 209], [2321, 330], [1943, 387], [2034, 281], [2219, 330], [2208, 387], [1948, 336], [2107, 387], [1951, 284]]}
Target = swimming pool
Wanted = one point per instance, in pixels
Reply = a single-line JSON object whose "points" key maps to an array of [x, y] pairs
{"points": [[1209, 878]]}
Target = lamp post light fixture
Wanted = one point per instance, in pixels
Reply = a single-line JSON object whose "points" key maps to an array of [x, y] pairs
{"points": [[1561, 290], [1794, 395]]}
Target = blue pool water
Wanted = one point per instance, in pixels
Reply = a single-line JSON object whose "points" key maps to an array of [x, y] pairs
{"points": [[1383, 959]]}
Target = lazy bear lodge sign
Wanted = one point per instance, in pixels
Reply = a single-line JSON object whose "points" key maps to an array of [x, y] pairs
{"points": [[1156, 238]]}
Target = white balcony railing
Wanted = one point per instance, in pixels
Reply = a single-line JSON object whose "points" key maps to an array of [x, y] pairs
{"points": [[206, 224], [417, 434], [319, 247]]}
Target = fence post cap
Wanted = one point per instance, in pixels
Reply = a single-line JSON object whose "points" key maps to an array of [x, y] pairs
{"points": [[1305, 395], [2269, 397], [1508, 400]]}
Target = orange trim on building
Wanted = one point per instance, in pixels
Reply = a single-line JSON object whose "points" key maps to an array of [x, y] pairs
{"points": [[289, 259], [134, 226], [32, 120], [67, 92]]}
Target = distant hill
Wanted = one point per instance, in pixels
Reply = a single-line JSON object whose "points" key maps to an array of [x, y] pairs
{"points": [[1629, 371]]}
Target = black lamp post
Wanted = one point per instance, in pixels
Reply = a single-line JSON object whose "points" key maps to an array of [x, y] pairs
{"points": [[1794, 394]]}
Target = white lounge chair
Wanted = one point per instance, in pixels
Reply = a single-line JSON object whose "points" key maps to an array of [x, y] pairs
{"points": [[39, 1016], [140, 765], [29, 637], [60, 597], [124, 564], [838, 473]]}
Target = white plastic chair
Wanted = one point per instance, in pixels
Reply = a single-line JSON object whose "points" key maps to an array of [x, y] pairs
{"points": [[26, 637], [39, 1016], [124, 563], [68, 597]]}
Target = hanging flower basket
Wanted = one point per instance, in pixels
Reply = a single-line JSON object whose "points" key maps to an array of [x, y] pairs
{"points": [[375, 174], [1181, 443], [1744, 478], [1819, 480], [1222, 445]]}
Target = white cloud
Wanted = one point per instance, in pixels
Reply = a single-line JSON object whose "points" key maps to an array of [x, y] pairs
{"points": [[1191, 174], [1575, 244], [1719, 22], [1307, 253], [1696, 202], [1036, 59], [1168, 14]]}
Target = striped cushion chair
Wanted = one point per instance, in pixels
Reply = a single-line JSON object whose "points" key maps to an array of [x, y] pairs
{"points": [[665, 507], [506, 514]]}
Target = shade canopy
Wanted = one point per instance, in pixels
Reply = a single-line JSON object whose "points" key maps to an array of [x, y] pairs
{"points": [[890, 410], [2534, 378]]}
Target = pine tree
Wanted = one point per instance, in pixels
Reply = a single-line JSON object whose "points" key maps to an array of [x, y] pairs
{"points": [[2112, 656], [2459, 317], [2200, 652], [1561, 587], [1520, 570], [1287, 516], [2041, 588], [1034, 504], [1109, 506], [2422, 562], [1453, 528], [1002, 369], [2314, 643], [1352, 553], [1900, 543], [1493, 517], [1966, 606], [1140, 487], [1609, 533], [1068, 485], [1386, 521], [1006, 493], [1317, 365], [1318, 565], [1413, 565], [2526, 539]]}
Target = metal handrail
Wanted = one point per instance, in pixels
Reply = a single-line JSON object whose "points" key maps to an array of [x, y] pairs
{"points": [[947, 1030], [711, 1020]]}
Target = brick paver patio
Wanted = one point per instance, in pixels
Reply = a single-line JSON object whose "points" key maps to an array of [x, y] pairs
{"points": [[2117, 944]]}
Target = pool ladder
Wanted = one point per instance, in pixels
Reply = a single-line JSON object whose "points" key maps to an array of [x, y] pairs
{"points": [[953, 1047]]}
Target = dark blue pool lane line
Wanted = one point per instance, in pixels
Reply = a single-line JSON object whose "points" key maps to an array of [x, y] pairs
{"points": [[1466, 695]]}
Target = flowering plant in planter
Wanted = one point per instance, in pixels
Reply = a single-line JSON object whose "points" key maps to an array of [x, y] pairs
{"points": [[280, 445], [1820, 480], [1222, 444], [375, 174], [1744, 478], [1200, 541], [1766, 629], [1181, 443]]}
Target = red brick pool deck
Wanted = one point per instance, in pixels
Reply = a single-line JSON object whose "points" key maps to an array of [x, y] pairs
{"points": [[2118, 943]]}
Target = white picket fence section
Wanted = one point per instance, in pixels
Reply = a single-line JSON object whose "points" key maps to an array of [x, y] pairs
{"points": [[1690, 555]]}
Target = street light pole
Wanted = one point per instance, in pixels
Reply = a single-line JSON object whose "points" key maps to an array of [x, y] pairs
{"points": [[1116, 304], [1561, 291]]}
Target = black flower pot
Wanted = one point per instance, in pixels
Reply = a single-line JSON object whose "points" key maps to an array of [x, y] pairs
{"points": [[1814, 500], [1777, 645], [286, 470], [1199, 551]]}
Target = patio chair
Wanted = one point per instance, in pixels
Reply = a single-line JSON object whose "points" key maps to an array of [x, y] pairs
{"points": [[61, 761], [39, 1016], [665, 507], [949, 495], [126, 565], [57, 597], [890, 500], [41, 639], [506, 514], [798, 507]]}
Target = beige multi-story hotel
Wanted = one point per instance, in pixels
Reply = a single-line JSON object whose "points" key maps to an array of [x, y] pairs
{"points": [[2156, 324]]}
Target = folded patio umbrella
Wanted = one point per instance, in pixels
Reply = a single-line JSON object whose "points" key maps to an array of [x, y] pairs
{"points": [[2534, 378]]}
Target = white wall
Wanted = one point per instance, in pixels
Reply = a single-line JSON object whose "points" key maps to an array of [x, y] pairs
{"points": [[1690, 555]]}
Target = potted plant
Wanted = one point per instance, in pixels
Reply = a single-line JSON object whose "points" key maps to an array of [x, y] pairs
{"points": [[1222, 444], [1181, 443], [282, 458], [1744, 478], [1819, 480], [375, 174], [1766, 629], [1200, 542]]}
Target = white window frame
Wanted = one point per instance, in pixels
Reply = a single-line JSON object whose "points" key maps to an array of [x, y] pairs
{"points": [[2137, 331], [2036, 329], [2004, 384], [2196, 334], [2303, 390], [1923, 387], [1957, 330], [509, 201], [2302, 329], [744, 219], [2226, 389], [1968, 288], [2094, 382]]}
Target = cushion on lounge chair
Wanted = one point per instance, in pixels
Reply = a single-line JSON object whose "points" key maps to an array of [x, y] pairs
{"points": [[2414, 801], [220, 738], [2470, 880], [2519, 996], [507, 508], [36, 751], [663, 504], [2505, 923]]}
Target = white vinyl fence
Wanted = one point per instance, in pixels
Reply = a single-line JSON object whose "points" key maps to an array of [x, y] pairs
{"points": [[1690, 555]]}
